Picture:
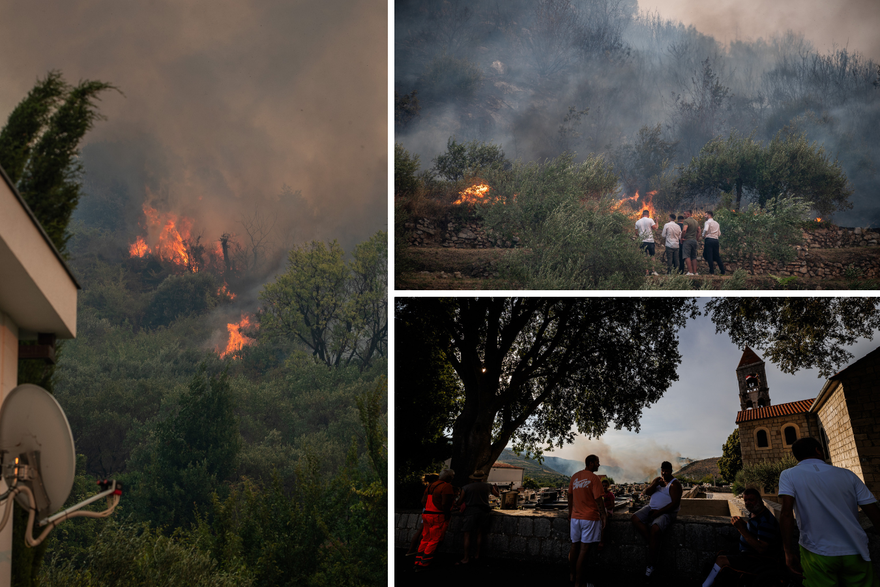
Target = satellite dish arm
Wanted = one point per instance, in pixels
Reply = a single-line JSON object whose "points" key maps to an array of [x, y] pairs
{"points": [[112, 494]]}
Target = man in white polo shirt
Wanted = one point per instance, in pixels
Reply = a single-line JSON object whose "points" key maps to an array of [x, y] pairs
{"points": [[711, 250], [826, 499]]}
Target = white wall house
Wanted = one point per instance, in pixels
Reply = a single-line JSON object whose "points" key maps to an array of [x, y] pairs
{"points": [[504, 474], [37, 302]]}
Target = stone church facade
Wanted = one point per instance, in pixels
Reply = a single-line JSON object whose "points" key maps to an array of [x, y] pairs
{"points": [[845, 416]]}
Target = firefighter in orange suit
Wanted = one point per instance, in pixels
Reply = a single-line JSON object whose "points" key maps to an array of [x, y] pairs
{"points": [[437, 504]]}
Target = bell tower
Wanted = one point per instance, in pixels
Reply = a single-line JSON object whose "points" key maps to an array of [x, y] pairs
{"points": [[752, 381]]}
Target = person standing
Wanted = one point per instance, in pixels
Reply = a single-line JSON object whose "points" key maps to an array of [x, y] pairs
{"points": [[653, 519], [689, 246], [680, 222], [711, 250], [586, 514], [672, 234], [646, 225], [475, 497], [437, 503], [760, 545], [826, 499]]}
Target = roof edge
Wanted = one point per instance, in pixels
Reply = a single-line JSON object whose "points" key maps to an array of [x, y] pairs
{"points": [[39, 227]]}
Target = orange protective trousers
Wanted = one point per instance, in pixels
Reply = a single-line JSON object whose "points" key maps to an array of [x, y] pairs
{"points": [[434, 527]]}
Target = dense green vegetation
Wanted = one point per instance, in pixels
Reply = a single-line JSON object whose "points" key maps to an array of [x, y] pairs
{"points": [[263, 464], [266, 467]]}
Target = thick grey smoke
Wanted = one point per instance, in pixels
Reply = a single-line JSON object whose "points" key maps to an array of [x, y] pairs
{"points": [[622, 463], [225, 104], [599, 76]]}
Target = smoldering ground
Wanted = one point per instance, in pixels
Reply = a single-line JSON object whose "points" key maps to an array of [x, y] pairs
{"points": [[541, 78]]}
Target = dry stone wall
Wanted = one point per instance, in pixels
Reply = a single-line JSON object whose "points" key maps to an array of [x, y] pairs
{"points": [[473, 235], [544, 536]]}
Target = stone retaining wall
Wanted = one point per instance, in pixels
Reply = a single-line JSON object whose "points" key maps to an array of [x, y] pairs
{"points": [[544, 536], [472, 235]]}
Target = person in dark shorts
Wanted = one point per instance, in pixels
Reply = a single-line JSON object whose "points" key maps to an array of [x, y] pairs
{"points": [[645, 227], [689, 242], [680, 222], [760, 542], [475, 522], [655, 518]]}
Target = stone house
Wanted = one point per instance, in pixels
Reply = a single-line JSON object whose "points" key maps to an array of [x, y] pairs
{"points": [[845, 416]]}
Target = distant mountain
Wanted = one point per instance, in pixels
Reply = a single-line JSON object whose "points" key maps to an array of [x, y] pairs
{"points": [[550, 475], [699, 469]]}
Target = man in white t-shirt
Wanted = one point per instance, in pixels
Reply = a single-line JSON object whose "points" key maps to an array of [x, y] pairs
{"points": [[826, 499], [645, 225], [711, 250], [672, 234]]}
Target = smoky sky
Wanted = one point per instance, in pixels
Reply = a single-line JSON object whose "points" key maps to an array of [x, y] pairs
{"points": [[223, 104], [848, 23], [698, 412]]}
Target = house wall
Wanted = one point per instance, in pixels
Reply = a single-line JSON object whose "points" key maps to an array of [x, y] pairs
{"points": [[8, 381], [778, 448], [499, 476], [850, 418]]}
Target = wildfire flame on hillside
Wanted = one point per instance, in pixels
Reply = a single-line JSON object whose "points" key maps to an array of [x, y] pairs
{"points": [[472, 195], [646, 204], [168, 233], [237, 339]]}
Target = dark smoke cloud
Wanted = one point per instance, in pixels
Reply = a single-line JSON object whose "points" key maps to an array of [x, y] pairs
{"points": [[225, 103]]}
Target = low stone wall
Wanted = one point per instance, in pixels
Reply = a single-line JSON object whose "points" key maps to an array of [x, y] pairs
{"points": [[472, 235], [835, 237], [544, 536]]}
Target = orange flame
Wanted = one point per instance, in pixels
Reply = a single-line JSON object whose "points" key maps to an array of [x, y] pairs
{"points": [[224, 292], [169, 233], [818, 220], [237, 339], [647, 204], [139, 248], [472, 195]]}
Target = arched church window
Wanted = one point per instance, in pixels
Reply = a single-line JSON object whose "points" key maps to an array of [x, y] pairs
{"points": [[763, 441], [790, 433]]}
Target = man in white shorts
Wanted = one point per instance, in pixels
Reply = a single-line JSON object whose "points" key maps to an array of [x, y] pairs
{"points": [[586, 512], [660, 513]]}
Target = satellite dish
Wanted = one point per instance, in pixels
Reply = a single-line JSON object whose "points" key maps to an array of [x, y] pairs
{"points": [[33, 427]]}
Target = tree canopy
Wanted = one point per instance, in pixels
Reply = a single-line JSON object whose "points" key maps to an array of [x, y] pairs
{"points": [[334, 308], [535, 370], [798, 333], [39, 147], [788, 165], [731, 461]]}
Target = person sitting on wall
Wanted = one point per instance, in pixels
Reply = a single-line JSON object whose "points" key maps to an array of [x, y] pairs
{"points": [[475, 498], [437, 501], [760, 541], [653, 519]]}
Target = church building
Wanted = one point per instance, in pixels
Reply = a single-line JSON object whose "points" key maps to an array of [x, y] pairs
{"points": [[844, 416]]}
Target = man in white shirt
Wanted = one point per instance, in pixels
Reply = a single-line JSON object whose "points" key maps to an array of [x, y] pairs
{"points": [[711, 250], [653, 519], [645, 225], [672, 234], [826, 499]]}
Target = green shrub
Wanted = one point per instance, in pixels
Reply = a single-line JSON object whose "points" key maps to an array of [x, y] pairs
{"points": [[765, 475]]}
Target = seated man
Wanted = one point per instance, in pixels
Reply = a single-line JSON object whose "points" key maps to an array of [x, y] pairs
{"points": [[659, 514], [760, 542]]}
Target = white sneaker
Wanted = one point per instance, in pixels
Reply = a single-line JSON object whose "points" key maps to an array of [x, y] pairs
{"points": [[653, 273], [690, 273]]}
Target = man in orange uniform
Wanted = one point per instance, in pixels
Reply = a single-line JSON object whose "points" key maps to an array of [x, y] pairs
{"points": [[437, 503], [586, 512]]}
